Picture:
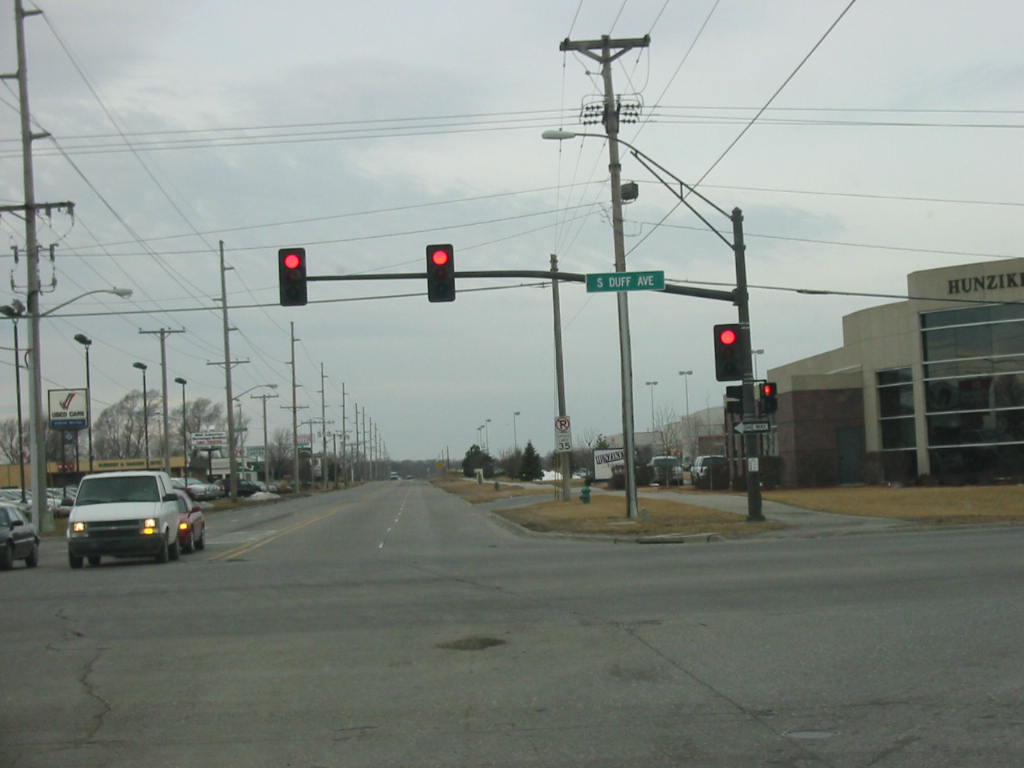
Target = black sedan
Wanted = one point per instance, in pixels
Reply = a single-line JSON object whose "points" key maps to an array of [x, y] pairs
{"points": [[18, 539]]}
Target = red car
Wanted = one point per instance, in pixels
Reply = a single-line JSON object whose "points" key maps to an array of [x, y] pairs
{"points": [[191, 524]]}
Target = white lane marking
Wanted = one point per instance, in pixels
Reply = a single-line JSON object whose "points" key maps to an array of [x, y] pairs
{"points": [[398, 517]]}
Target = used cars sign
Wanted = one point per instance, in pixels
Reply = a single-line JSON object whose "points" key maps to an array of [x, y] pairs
{"points": [[69, 409]]}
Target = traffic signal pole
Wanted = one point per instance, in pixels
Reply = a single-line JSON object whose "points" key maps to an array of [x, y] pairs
{"points": [[750, 439]]}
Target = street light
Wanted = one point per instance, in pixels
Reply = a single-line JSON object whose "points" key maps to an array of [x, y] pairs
{"points": [[487, 436], [16, 310], [652, 385], [686, 383], [515, 437], [86, 342], [42, 516], [753, 359], [145, 408], [184, 428], [738, 297]]}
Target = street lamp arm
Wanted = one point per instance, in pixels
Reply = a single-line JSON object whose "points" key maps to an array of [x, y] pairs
{"points": [[250, 389], [124, 293]]}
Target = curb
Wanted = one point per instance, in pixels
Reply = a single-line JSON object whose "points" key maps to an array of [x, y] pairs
{"points": [[678, 538]]}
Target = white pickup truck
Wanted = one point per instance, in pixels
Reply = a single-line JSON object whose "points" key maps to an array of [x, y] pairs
{"points": [[124, 514]]}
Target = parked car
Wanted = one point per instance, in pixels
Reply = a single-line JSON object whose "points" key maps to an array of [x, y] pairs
{"points": [[191, 524], [197, 489], [18, 538], [245, 487], [710, 472]]}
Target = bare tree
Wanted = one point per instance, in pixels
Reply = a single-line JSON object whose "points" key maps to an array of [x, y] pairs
{"points": [[9, 439]]}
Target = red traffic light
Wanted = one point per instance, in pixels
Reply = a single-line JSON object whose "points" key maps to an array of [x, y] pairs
{"points": [[767, 390], [292, 260], [727, 336], [440, 257]]}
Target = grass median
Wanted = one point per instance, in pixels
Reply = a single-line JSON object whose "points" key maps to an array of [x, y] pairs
{"points": [[943, 505], [604, 514]]}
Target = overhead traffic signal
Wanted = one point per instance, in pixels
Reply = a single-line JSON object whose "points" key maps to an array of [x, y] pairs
{"points": [[291, 272], [729, 352], [440, 273], [769, 398]]}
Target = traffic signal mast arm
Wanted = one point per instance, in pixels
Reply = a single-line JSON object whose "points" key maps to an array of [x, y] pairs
{"points": [[572, 277]]}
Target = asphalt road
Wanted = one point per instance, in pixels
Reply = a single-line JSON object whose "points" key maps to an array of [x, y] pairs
{"points": [[394, 625]]}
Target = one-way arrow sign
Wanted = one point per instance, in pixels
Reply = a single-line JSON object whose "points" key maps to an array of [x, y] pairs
{"points": [[752, 426]]}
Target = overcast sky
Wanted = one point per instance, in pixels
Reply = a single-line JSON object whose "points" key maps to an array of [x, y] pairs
{"points": [[365, 131]]}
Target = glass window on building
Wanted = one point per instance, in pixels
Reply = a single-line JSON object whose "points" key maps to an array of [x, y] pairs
{"points": [[896, 408], [974, 389]]}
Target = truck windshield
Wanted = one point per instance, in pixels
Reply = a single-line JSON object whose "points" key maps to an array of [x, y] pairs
{"points": [[110, 490]]}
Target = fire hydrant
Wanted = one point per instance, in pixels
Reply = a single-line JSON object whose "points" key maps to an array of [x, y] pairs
{"points": [[585, 494]]}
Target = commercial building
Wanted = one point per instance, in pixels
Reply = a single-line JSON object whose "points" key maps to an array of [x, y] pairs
{"points": [[927, 389]]}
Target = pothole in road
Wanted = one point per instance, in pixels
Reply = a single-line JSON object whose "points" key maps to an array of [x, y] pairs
{"points": [[474, 643]]}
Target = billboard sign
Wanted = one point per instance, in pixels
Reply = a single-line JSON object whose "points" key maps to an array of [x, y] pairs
{"points": [[69, 409]]}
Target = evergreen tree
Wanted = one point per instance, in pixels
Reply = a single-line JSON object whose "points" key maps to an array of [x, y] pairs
{"points": [[476, 459], [529, 467]]}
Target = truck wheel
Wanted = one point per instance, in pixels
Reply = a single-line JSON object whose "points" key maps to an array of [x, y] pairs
{"points": [[162, 555], [33, 557], [201, 541], [6, 557], [172, 551], [75, 561]]}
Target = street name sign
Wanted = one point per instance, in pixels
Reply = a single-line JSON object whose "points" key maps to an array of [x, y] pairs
{"points": [[602, 282], [752, 426]]}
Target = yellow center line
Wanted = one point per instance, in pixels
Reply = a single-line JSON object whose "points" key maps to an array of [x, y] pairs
{"points": [[243, 549]]}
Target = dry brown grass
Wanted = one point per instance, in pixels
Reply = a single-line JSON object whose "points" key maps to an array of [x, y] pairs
{"points": [[939, 505], [607, 515], [480, 493]]}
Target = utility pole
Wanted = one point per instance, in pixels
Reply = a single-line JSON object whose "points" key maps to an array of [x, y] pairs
{"points": [[601, 51], [228, 364], [563, 456], [266, 445], [42, 516], [344, 432], [355, 450], [294, 407], [165, 437], [323, 421]]}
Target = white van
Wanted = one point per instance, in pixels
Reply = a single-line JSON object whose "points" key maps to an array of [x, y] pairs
{"points": [[124, 514]]}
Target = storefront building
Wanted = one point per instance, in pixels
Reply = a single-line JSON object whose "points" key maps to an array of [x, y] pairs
{"points": [[928, 389]]}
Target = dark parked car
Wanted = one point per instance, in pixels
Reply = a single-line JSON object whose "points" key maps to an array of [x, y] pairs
{"points": [[192, 524], [18, 539], [245, 488], [710, 472]]}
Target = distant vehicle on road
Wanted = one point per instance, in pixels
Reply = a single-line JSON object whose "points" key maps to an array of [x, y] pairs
{"points": [[394, 476], [18, 539]]}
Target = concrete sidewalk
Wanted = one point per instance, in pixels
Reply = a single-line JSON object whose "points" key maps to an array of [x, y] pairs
{"points": [[800, 522]]}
